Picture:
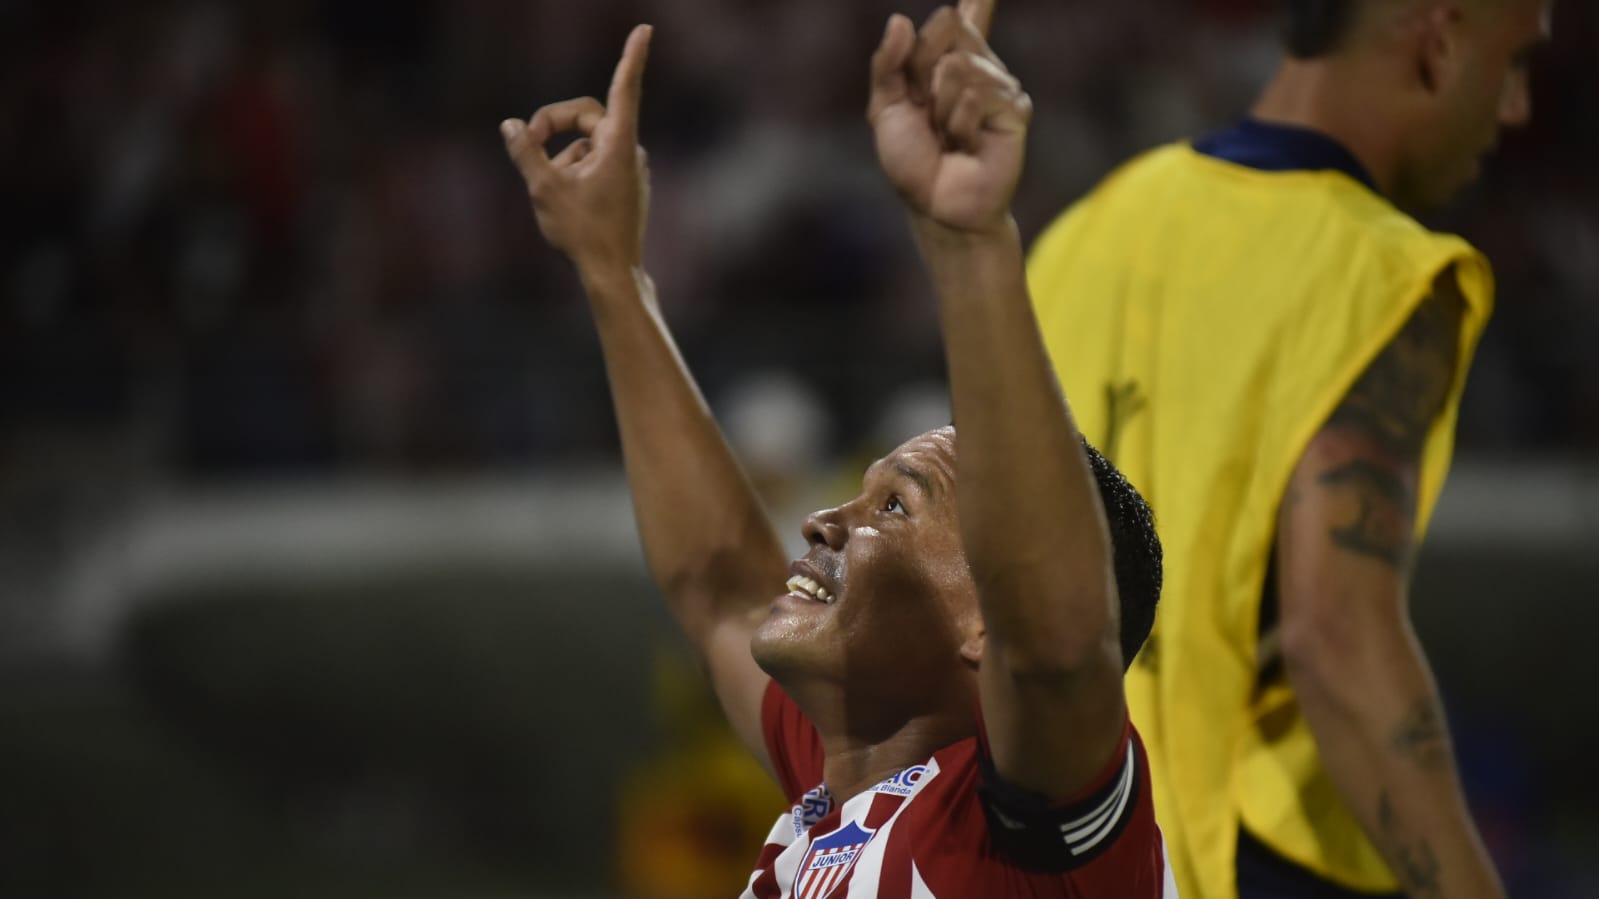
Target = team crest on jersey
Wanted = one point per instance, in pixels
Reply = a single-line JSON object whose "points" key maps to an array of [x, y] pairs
{"points": [[830, 859]]}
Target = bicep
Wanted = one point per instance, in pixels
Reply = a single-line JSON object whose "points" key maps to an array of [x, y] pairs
{"points": [[1347, 523], [1051, 732]]}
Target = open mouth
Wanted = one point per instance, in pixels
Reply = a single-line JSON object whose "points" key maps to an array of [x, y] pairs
{"points": [[800, 585]]}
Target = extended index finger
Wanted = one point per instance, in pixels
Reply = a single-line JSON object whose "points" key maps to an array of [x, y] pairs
{"points": [[978, 12], [628, 82]]}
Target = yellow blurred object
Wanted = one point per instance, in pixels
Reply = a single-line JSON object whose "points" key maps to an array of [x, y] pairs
{"points": [[694, 817]]}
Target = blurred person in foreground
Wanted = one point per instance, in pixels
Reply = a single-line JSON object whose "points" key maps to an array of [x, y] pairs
{"points": [[1273, 351], [939, 689]]}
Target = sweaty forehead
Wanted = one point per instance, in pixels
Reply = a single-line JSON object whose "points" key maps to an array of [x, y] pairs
{"points": [[938, 442], [932, 453]]}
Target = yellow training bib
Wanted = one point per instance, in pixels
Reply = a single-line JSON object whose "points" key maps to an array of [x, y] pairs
{"points": [[1205, 319]]}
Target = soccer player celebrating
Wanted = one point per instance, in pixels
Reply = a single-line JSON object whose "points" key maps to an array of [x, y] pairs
{"points": [[939, 687]]}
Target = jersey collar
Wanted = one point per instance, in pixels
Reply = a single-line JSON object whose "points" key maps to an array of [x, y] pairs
{"points": [[1271, 147]]}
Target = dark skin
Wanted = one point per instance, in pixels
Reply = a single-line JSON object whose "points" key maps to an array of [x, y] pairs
{"points": [[953, 576]]}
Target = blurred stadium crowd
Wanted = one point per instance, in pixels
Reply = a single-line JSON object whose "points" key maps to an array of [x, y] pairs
{"points": [[282, 237]]}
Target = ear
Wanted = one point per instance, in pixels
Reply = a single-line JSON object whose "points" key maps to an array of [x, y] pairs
{"points": [[1440, 53]]}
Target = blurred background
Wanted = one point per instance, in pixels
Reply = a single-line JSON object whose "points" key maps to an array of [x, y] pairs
{"points": [[317, 573]]}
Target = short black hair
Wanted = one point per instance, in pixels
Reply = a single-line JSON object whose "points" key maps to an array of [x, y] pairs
{"points": [[1313, 28], [1135, 551]]}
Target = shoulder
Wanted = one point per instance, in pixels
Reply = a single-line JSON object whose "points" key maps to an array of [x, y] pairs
{"points": [[1396, 245], [1395, 400], [973, 829]]}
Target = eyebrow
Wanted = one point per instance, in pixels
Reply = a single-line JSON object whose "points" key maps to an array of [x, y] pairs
{"points": [[910, 473]]}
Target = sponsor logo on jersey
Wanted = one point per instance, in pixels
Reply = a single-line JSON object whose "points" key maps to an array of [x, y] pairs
{"points": [[813, 807], [903, 783], [829, 861]]}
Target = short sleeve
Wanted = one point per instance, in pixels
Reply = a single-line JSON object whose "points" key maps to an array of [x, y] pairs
{"points": [[792, 743]]}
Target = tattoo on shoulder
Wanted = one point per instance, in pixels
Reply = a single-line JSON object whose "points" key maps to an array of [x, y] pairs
{"points": [[1422, 736], [1400, 394], [1416, 864], [1389, 413], [1380, 519]]}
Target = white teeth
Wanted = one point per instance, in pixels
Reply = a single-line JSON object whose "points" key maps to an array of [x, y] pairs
{"points": [[800, 584]]}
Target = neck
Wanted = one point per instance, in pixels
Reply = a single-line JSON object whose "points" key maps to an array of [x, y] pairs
{"points": [[852, 764], [866, 738], [1325, 95]]}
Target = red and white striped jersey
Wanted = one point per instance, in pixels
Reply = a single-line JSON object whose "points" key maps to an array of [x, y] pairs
{"points": [[950, 828]]}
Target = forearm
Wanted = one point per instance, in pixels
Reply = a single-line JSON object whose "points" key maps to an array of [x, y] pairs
{"points": [[1380, 728], [1030, 517], [707, 539]]}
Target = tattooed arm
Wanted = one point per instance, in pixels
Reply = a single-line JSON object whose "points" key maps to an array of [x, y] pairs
{"points": [[1344, 551]]}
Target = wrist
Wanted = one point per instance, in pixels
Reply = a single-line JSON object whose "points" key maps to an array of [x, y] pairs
{"points": [[934, 234], [609, 284], [607, 273], [963, 254]]}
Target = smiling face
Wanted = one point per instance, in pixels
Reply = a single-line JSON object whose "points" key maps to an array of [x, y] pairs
{"points": [[883, 601]]}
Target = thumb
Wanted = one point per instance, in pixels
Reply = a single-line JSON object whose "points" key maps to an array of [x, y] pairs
{"points": [[889, 85]]}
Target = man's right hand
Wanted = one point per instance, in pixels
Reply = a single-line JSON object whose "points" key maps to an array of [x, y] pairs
{"points": [[592, 197]]}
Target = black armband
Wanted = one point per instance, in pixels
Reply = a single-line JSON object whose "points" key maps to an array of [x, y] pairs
{"points": [[1038, 836]]}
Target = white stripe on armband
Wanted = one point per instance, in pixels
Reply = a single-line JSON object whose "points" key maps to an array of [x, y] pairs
{"points": [[1088, 831]]}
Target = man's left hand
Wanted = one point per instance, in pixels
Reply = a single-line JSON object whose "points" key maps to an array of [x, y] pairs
{"points": [[950, 121]]}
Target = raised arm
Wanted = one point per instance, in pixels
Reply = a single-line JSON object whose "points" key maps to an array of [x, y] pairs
{"points": [[707, 540], [951, 125], [1345, 547]]}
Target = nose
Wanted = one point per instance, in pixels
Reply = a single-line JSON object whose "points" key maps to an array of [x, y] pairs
{"points": [[1515, 101], [823, 528]]}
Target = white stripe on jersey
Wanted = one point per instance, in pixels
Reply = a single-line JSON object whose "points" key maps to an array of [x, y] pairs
{"points": [[919, 888], [869, 867]]}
